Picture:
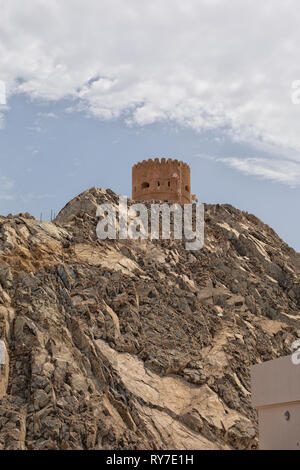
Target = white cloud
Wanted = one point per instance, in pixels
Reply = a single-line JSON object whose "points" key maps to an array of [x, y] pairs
{"points": [[207, 64], [48, 115], [282, 171], [6, 188]]}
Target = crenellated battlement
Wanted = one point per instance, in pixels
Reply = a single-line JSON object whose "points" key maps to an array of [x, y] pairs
{"points": [[150, 162], [163, 179]]}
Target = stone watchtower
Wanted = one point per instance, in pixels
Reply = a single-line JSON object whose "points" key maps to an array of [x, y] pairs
{"points": [[162, 180]]}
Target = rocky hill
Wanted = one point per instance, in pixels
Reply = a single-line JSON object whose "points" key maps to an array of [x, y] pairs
{"points": [[138, 344]]}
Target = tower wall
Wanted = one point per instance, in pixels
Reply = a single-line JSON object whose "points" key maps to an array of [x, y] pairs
{"points": [[163, 180]]}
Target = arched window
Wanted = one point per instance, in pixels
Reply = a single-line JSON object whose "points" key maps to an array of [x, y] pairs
{"points": [[169, 183], [145, 185], [187, 188], [158, 183]]}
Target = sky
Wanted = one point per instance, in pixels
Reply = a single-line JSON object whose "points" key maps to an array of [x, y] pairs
{"points": [[94, 86]]}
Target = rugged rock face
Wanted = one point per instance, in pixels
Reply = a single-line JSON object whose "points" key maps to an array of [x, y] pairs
{"points": [[138, 344]]}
